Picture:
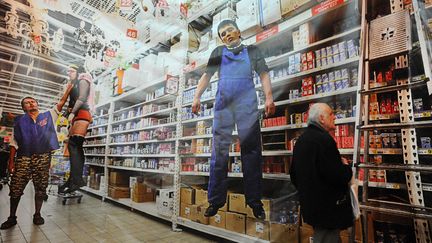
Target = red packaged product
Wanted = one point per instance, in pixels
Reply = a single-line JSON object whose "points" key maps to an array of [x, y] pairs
{"points": [[310, 56]]}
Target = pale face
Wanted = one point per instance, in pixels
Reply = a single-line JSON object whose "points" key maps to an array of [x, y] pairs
{"points": [[230, 35], [30, 105], [327, 119], [72, 73]]}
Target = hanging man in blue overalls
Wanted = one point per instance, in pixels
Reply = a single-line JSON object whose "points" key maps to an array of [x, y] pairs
{"points": [[236, 103]]}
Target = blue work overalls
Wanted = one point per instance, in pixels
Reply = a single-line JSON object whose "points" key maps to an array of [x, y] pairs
{"points": [[236, 102]]}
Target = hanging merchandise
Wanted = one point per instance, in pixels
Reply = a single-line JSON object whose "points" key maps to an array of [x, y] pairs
{"points": [[12, 21]]}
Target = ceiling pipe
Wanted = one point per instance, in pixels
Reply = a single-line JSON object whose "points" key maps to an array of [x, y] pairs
{"points": [[34, 68], [31, 77], [30, 85], [24, 91], [8, 47]]}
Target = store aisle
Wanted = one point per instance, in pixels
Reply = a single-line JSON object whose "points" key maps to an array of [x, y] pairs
{"points": [[90, 221]]}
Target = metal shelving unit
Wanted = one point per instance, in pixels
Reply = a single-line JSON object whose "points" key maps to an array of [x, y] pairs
{"points": [[376, 49]]}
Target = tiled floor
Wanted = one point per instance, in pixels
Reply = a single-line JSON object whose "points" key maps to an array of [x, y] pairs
{"points": [[90, 221]]}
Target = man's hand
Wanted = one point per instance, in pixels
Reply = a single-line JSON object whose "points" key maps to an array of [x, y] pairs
{"points": [[196, 106], [11, 166], [71, 117], [269, 107]]}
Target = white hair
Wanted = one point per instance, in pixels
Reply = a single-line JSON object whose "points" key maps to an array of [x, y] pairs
{"points": [[315, 111]]}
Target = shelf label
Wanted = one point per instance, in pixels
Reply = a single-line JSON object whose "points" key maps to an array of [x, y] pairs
{"points": [[132, 33], [325, 6], [427, 187], [267, 33], [126, 5]]}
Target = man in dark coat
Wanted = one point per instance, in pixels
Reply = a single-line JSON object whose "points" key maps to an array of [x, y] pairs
{"points": [[321, 177]]}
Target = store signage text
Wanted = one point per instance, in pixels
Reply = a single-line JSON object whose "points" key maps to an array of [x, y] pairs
{"points": [[132, 33], [324, 6], [267, 33]]}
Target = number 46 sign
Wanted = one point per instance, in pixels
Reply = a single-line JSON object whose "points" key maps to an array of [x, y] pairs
{"points": [[132, 33]]}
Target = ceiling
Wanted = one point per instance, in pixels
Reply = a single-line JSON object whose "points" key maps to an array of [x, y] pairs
{"points": [[25, 72]]}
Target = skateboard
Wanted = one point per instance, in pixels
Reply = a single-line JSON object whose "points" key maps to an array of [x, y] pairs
{"points": [[68, 196]]}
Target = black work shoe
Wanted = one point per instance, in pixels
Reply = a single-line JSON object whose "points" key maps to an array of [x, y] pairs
{"points": [[212, 210], [259, 213], [38, 220], [9, 223]]}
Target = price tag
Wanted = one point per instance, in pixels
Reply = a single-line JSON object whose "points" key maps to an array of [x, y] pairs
{"points": [[259, 227], [110, 52], [132, 33], [325, 6], [218, 218], [267, 33], [126, 5], [392, 186]]}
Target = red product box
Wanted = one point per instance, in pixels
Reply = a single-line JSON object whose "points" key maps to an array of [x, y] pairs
{"points": [[304, 66], [338, 142], [310, 91], [310, 56], [304, 93], [311, 64], [303, 57], [348, 142], [343, 130], [279, 121]]}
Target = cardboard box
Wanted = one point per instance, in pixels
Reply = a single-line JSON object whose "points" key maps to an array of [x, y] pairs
{"points": [[270, 11], [237, 203], [118, 179], [140, 198], [119, 192], [219, 220], [236, 222], [187, 195], [201, 197], [288, 6], [197, 214], [165, 201], [281, 233], [258, 228], [185, 211]]}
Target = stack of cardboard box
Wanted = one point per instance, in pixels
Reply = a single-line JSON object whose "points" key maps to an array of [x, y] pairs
{"points": [[118, 185], [235, 216]]}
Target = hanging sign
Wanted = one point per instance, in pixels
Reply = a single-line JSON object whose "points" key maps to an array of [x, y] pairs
{"points": [[37, 39], [126, 5], [324, 6], [132, 33], [266, 34]]}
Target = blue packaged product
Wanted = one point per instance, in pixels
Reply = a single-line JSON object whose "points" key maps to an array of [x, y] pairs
{"points": [[319, 88], [335, 48], [329, 51], [331, 76], [324, 78], [330, 60], [336, 58], [323, 52], [345, 83], [338, 84], [318, 63], [345, 73], [318, 79], [324, 61], [338, 74]]}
